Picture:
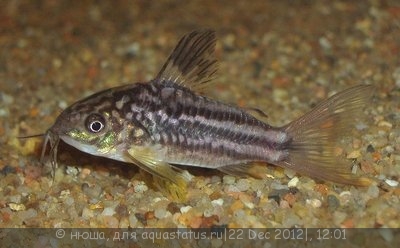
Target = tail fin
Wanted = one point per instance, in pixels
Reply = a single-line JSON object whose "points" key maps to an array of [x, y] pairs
{"points": [[311, 151]]}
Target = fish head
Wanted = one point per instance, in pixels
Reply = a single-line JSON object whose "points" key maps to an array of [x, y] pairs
{"points": [[91, 125]]}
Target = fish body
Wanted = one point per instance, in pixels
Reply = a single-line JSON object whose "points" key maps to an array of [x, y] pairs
{"points": [[164, 123], [184, 128]]}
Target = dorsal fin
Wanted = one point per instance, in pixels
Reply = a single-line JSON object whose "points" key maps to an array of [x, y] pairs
{"points": [[192, 63]]}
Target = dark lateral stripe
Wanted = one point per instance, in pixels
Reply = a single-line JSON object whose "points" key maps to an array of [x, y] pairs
{"points": [[189, 116], [186, 104], [211, 153]]}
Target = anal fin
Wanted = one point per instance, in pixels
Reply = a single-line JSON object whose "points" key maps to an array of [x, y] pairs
{"points": [[243, 170]]}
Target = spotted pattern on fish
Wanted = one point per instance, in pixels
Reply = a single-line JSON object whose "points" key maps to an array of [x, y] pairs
{"points": [[164, 123]]}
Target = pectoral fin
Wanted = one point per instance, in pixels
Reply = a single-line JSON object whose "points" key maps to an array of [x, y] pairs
{"points": [[168, 178]]}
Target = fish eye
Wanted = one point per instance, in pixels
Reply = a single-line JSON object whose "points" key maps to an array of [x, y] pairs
{"points": [[95, 123]]}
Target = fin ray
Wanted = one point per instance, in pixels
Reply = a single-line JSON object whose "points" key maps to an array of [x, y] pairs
{"points": [[241, 170], [192, 63], [169, 178], [312, 150]]}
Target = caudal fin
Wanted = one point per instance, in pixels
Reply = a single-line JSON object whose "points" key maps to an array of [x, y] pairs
{"points": [[314, 136]]}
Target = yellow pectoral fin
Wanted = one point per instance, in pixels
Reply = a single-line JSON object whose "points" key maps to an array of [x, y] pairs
{"points": [[176, 192], [169, 179]]}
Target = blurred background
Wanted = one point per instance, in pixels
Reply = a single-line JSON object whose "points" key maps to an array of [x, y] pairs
{"points": [[280, 56]]}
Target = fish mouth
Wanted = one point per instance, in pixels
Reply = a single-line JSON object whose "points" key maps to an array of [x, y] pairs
{"points": [[52, 139]]}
